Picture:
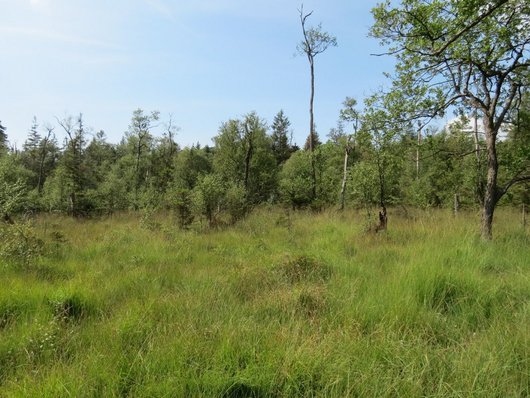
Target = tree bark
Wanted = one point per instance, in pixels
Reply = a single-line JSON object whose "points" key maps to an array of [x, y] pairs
{"points": [[490, 197], [312, 131], [347, 151]]}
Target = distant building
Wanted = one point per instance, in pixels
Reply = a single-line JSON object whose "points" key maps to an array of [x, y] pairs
{"points": [[469, 124]]}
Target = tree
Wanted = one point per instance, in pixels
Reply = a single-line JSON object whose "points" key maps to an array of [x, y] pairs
{"points": [[444, 156], [348, 114], [47, 156], [32, 151], [243, 156], [3, 139], [72, 164], [469, 53], [39, 156], [190, 164], [13, 187], [280, 138], [381, 155], [164, 155], [207, 196], [312, 141], [314, 42], [515, 151], [295, 180], [140, 139], [100, 157]]}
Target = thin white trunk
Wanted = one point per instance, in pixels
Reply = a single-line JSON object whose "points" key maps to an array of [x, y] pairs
{"points": [[347, 151]]}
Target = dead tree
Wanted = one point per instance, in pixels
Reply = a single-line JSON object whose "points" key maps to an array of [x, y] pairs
{"points": [[314, 42]]}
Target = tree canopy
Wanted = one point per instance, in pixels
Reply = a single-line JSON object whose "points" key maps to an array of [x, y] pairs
{"points": [[473, 54]]}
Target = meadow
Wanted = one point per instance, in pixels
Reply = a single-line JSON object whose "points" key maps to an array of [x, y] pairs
{"points": [[278, 305]]}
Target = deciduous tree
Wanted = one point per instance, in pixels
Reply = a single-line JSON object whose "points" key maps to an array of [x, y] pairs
{"points": [[469, 53]]}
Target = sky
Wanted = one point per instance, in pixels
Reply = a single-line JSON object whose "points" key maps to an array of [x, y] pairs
{"points": [[201, 61]]}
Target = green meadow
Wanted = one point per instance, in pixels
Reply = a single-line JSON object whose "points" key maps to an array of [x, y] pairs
{"points": [[278, 305]]}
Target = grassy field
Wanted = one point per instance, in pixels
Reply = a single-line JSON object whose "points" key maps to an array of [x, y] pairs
{"points": [[299, 305]]}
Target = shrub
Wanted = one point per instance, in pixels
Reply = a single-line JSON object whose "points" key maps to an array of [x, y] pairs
{"points": [[19, 243]]}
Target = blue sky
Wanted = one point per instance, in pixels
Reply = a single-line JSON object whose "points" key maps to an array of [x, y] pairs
{"points": [[202, 61]]}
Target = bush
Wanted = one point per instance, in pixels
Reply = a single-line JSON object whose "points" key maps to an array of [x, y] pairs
{"points": [[236, 202], [19, 243], [181, 201]]}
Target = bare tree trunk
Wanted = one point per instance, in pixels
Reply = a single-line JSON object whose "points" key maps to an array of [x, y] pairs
{"points": [[490, 197], [476, 138], [347, 151], [73, 204], [312, 131]]}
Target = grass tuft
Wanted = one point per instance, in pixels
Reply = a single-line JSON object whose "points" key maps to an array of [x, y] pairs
{"points": [[305, 269]]}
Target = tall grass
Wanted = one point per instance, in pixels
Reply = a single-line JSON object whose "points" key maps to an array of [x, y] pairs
{"points": [[302, 305]]}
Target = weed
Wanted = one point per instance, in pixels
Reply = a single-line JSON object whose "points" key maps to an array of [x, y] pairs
{"points": [[304, 268], [70, 308]]}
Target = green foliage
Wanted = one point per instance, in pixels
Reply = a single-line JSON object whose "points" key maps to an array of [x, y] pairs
{"points": [[315, 40], [235, 202], [364, 184], [381, 151], [19, 243], [329, 159], [250, 168], [445, 169], [280, 138], [3, 140], [115, 189], [244, 156], [207, 197], [469, 54], [140, 145], [190, 164], [12, 197], [181, 200], [295, 180]]}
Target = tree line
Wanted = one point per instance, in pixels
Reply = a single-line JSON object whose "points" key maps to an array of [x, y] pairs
{"points": [[467, 57], [361, 164]]}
